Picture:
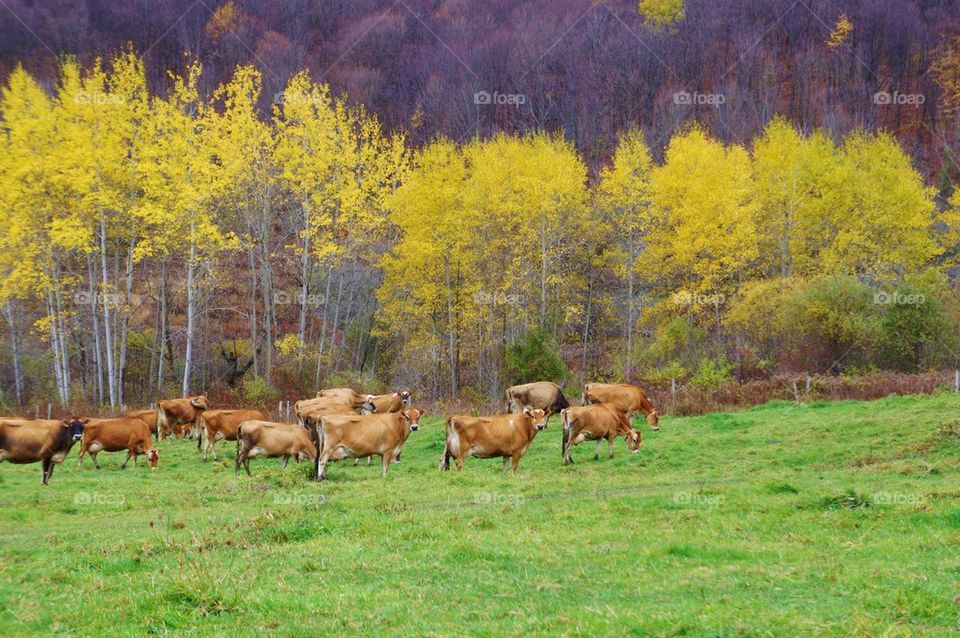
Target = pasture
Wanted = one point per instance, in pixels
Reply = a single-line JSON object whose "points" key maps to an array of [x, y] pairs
{"points": [[829, 518]]}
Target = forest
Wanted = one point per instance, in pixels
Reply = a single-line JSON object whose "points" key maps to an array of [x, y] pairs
{"points": [[185, 216]]}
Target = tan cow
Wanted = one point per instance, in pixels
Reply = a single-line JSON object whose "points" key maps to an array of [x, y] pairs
{"points": [[147, 416], [543, 395], [45, 440], [265, 438], [176, 412], [348, 395], [506, 435], [117, 435], [309, 412], [629, 398], [596, 423], [222, 425], [394, 402], [352, 436]]}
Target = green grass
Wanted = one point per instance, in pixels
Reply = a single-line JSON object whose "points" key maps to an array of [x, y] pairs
{"points": [[834, 519]]}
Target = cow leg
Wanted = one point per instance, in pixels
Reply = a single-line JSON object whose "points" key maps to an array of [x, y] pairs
{"points": [[322, 465], [506, 464], [96, 463], [460, 458], [241, 457], [80, 457], [124, 464], [596, 449], [246, 465], [286, 459], [516, 461], [46, 469], [385, 459]]}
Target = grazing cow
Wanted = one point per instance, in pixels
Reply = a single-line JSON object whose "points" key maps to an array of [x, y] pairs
{"points": [[222, 425], [179, 412], [45, 440], [506, 435], [117, 435], [629, 398], [542, 395], [147, 416], [347, 395], [264, 438], [352, 436], [595, 423]]}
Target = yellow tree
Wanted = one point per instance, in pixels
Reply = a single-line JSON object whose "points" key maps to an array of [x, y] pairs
{"points": [[703, 236], [177, 179], [623, 198]]}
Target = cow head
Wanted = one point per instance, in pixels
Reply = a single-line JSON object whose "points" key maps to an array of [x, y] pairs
{"points": [[539, 417], [405, 398], [653, 418], [368, 407], [75, 427], [199, 402], [153, 455], [633, 440], [412, 416]]}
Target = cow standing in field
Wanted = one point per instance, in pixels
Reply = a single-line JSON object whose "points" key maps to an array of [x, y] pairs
{"points": [[222, 425], [45, 440], [352, 436], [394, 402], [629, 398], [596, 423], [117, 435], [309, 411], [542, 395], [265, 438], [180, 412], [506, 435], [147, 416]]}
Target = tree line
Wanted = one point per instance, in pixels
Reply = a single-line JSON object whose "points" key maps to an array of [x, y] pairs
{"points": [[161, 244]]}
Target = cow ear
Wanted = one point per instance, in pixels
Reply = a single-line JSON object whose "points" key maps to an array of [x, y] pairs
{"points": [[396, 394], [422, 412], [85, 421]]}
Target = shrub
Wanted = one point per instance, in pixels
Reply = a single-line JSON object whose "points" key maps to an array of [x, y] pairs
{"points": [[534, 358]]}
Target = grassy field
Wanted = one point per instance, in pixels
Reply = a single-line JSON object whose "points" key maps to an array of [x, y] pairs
{"points": [[830, 519]]}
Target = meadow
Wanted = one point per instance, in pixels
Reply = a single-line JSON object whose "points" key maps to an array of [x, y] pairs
{"points": [[821, 519]]}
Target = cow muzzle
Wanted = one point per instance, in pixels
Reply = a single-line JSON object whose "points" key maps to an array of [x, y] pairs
{"points": [[414, 427]]}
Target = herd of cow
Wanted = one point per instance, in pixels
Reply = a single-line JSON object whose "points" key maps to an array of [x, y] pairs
{"points": [[337, 424]]}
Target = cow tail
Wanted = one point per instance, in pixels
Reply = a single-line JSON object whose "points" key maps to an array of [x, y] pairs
{"points": [[445, 457], [202, 426], [561, 403], [565, 419]]}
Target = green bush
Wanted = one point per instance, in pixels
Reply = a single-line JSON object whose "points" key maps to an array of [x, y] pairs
{"points": [[712, 373], [257, 391]]}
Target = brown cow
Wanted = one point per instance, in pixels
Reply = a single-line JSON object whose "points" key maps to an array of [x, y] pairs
{"points": [[222, 425], [117, 435], [45, 440], [506, 435], [177, 412], [394, 402], [348, 395], [265, 438], [629, 398], [309, 411], [596, 423], [147, 416], [542, 395], [350, 436]]}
